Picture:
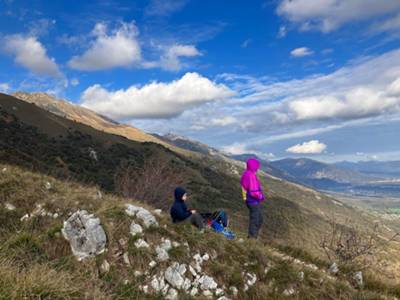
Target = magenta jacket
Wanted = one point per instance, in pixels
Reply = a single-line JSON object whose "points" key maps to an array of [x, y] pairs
{"points": [[251, 184]]}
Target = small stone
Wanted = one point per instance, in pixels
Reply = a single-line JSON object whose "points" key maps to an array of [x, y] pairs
{"points": [[197, 257], [48, 185], [135, 229], [138, 273], [99, 195], [165, 290], [175, 244], [192, 270], [358, 279], [158, 212], [223, 298], [194, 291], [55, 215], [246, 287], [252, 278], [126, 259], [9, 206], [162, 255], [219, 292], [207, 294], [187, 284], [289, 292], [301, 276], [166, 245], [141, 243], [207, 283], [122, 242], [333, 269], [214, 254], [105, 266], [241, 240], [182, 269], [4, 170], [145, 289], [206, 257], [234, 290], [152, 264], [172, 294]]}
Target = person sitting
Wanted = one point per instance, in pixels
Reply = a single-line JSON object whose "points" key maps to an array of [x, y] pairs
{"points": [[180, 212]]}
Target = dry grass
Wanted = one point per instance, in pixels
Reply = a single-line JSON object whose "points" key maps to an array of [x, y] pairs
{"points": [[36, 262]]}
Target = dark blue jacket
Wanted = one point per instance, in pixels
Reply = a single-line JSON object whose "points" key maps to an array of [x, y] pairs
{"points": [[179, 210]]}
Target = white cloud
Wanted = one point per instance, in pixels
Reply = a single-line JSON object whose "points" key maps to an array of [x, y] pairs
{"points": [[156, 99], [301, 52], [171, 59], [118, 48], [328, 15], [4, 87], [390, 24], [282, 32], [225, 121], [31, 54], [311, 147]]}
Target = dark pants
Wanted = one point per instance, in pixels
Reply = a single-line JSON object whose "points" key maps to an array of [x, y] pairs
{"points": [[255, 220], [196, 220]]}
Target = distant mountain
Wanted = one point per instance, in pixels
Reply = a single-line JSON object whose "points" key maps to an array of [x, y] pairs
{"points": [[386, 169], [188, 144]]}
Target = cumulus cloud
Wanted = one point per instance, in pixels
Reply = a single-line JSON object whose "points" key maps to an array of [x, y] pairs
{"points": [[301, 52], [118, 48], [156, 99], [171, 59], [311, 147], [4, 87], [328, 15], [31, 54]]}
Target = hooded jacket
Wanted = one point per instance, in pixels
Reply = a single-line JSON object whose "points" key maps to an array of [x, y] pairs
{"points": [[250, 183], [179, 211]]}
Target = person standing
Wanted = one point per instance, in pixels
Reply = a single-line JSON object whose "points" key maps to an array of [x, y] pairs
{"points": [[253, 195]]}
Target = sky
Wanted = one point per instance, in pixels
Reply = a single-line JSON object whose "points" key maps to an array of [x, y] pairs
{"points": [[278, 78]]}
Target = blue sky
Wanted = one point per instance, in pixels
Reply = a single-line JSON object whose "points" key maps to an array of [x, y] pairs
{"points": [[280, 78]]}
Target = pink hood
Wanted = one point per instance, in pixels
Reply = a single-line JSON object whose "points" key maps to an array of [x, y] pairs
{"points": [[250, 182]]}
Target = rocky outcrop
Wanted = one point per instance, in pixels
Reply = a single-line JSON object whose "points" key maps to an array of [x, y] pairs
{"points": [[85, 234]]}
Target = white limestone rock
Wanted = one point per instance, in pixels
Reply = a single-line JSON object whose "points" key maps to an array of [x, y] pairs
{"points": [[207, 283], [135, 229], [85, 234]]}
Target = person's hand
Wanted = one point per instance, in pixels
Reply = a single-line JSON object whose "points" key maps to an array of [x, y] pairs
{"points": [[193, 211]]}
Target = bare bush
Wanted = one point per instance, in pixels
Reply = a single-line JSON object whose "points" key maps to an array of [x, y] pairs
{"points": [[155, 181], [347, 244]]}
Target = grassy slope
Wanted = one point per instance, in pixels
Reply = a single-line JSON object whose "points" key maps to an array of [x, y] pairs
{"points": [[294, 215], [36, 262]]}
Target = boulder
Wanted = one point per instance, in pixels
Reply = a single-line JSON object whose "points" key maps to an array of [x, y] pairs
{"points": [[85, 234]]}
